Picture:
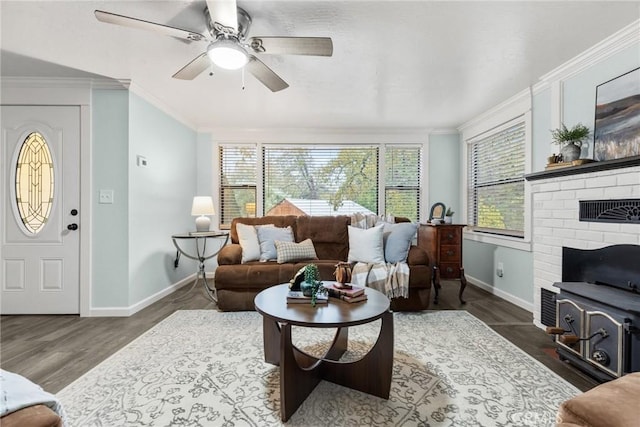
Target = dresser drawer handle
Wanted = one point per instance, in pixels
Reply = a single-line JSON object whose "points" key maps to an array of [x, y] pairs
{"points": [[450, 252], [450, 236], [449, 270]]}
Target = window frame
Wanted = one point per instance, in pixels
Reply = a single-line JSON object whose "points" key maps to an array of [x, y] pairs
{"points": [[517, 106]]}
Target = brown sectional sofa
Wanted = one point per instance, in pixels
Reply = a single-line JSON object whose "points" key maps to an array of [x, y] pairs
{"points": [[237, 284]]}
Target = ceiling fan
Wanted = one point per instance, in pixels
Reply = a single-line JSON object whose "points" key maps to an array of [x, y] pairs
{"points": [[228, 47]]}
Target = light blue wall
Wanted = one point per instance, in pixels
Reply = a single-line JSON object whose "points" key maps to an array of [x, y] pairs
{"points": [[110, 227], [541, 130], [160, 197], [132, 257], [444, 172], [206, 167], [481, 263]]}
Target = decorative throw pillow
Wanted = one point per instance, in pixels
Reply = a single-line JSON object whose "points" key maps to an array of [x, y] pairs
{"points": [[366, 245], [291, 251], [267, 236], [248, 239], [397, 241]]}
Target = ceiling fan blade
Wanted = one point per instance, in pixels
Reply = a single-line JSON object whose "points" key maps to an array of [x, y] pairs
{"points": [[193, 68], [127, 21], [315, 46], [265, 74], [224, 15]]}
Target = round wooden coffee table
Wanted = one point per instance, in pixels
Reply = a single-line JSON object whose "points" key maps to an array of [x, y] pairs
{"points": [[301, 372]]}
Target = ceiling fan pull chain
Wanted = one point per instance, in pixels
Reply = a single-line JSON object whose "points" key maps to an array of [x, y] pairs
{"points": [[242, 78]]}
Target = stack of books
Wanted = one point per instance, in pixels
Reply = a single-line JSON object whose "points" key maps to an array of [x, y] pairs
{"points": [[345, 293], [296, 297]]}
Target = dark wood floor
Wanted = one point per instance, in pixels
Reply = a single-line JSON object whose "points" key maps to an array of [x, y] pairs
{"points": [[53, 351]]}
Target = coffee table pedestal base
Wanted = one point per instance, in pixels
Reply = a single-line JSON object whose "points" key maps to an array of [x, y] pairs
{"points": [[300, 372]]}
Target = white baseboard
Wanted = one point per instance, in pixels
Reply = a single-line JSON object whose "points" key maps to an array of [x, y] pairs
{"points": [[502, 294], [128, 311]]}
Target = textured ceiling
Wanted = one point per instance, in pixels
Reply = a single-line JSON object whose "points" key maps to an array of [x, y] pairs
{"points": [[396, 64]]}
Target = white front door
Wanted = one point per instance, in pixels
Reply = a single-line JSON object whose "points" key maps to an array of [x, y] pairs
{"points": [[40, 209]]}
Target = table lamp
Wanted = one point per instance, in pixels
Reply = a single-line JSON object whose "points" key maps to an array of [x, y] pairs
{"points": [[202, 206]]}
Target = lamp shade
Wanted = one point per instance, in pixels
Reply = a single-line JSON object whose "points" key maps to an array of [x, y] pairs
{"points": [[227, 54], [202, 205]]}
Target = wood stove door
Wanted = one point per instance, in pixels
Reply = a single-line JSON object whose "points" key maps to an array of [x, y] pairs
{"points": [[606, 347], [570, 317]]}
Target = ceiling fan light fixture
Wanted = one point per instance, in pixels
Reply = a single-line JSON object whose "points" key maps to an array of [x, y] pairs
{"points": [[227, 54]]}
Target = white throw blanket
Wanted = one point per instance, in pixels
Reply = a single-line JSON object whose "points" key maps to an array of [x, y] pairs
{"points": [[17, 393], [388, 278]]}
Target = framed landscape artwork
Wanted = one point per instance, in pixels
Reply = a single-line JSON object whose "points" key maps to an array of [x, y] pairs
{"points": [[617, 122]]}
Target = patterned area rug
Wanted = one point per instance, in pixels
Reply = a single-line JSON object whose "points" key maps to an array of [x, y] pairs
{"points": [[206, 368]]}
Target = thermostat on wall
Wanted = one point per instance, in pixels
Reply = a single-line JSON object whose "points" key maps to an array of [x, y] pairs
{"points": [[142, 161]]}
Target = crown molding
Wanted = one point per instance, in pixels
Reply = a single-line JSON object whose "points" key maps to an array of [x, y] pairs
{"points": [[513, 107], [110, 84], [46, 82], [444, 131], [608, 47]]}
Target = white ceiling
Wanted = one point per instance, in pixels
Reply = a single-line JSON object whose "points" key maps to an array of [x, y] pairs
{"points": [[396, 64]]}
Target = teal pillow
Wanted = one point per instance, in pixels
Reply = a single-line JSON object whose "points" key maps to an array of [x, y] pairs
{"points": [[397, 241]]}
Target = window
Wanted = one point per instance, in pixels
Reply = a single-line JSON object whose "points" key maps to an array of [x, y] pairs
{"points": [[237, 182], [34, 182], [402, 181], [495, 193], [320, 181]]}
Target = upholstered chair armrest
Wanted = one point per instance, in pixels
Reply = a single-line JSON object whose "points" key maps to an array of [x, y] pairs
{"points": [[417, 256], [230, 254]]}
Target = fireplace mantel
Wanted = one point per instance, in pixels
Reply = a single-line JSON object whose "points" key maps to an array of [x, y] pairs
{"points": [[586, 168]]}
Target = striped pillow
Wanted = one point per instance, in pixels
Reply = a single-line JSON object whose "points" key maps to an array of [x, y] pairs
{"points": [[291, 251]]}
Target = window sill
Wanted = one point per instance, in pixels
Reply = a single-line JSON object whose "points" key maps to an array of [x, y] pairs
{"points": [[505, 241]]}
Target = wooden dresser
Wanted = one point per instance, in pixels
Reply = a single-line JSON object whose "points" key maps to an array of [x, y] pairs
{"points": [[443, 244]]}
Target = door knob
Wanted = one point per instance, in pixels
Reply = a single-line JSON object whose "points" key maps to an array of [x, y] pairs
{"points": [[74, 212], [72, 227]]}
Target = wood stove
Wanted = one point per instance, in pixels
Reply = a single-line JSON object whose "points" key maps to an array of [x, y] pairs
{"points": [[598, 310]]}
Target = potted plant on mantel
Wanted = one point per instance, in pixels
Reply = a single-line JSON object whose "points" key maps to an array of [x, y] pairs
{"points": [[572, 140]]}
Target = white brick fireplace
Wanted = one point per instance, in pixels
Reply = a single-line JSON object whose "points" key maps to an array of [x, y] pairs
{"points": [[556, 224]]}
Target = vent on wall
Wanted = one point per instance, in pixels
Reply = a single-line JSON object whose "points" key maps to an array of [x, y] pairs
{"points": [[619, 211], [547, 307]]}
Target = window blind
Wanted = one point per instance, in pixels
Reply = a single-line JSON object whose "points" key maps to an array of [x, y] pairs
{"points": [[496, 182], [320, 180], [402, 181], [237, 182]]}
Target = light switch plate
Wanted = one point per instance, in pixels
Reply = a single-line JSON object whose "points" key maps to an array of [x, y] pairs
{"points": [[106, 197]]}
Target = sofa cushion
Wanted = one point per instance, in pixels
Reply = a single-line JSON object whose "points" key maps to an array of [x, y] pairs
{"points": [[292, 251], [397, 241], [366, 245], [267, 235], [328, 233], [248, 239]]}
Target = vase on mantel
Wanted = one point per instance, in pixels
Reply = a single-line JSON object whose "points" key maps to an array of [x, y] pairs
{"points": [[570, 152]]}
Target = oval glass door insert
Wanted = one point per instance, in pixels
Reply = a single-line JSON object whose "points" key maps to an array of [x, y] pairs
{"points": [[34, 182]]}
